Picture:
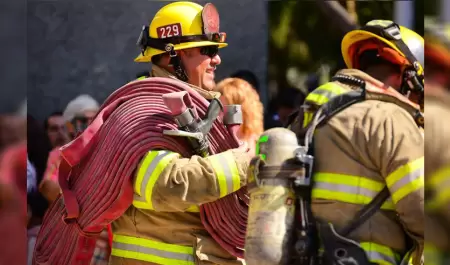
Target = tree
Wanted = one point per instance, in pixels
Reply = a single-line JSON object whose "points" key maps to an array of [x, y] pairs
{"points": [[303, 38]]}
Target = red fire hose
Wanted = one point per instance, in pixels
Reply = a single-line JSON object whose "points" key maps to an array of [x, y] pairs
{"points": [[96, 169]]}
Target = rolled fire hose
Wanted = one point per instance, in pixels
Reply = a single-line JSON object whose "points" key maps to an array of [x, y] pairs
{"points": [[97, 167]]}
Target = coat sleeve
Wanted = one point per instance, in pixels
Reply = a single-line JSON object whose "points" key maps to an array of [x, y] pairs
{"points": [[164, 181], [396, 147]]}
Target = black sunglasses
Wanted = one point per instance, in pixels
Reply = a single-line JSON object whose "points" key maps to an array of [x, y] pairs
{"points": [[210, 51]]}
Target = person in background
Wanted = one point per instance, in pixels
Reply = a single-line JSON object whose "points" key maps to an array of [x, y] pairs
{"points": [[31, 177], [12, 129], [13, 188], [76, 117], [78, 114], [13, 213], [248, 76], [240, 92], [286, 102], [33, 230], [55, 128], [38, 148]]}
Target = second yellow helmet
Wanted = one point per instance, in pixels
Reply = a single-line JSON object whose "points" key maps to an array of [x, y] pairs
{"points": [[408, 45]]}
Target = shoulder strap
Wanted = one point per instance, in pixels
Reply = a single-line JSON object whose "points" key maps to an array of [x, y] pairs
{"points": [[292, 117], [366, 212]]}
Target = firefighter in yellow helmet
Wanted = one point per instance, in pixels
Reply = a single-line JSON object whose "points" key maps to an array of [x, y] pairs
{"points": [[372, 140], [182, 43], [437, 138]]}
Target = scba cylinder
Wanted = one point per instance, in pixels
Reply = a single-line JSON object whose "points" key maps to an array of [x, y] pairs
{"points": [[270, 227]]}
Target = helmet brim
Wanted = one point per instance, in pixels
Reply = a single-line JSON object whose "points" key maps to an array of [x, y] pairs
{"points": [[150, 52], [356, 36]]}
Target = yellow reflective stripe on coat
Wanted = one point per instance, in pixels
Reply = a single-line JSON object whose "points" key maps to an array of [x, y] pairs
{"points": [[148, 172], [380, 254], [320, 96], [406, 179], [227, 172], [439, 182], [193, 209], [324, 93], [151, 251], [347, 188]]}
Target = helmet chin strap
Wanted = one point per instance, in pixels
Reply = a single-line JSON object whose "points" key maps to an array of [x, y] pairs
{"points": [[175, 62]]}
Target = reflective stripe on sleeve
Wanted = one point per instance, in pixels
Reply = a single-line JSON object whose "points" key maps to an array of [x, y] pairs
{"points": [[406, 179], [320, 96], [151, 251], [380, 254], [347, 188], [227, 172], [148, 172], [324, 93], [307, 118]]}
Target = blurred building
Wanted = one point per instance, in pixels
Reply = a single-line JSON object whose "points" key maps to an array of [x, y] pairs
{"points": [[88, 47]]}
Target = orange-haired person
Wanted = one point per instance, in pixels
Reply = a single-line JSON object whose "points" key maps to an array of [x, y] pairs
{"points": [[240, 92]]}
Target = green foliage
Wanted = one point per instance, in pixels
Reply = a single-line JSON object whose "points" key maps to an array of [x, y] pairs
{"points": [[304, 38]]}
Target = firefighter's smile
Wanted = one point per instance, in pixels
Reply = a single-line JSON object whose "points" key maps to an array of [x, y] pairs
{"points": [[210, 71]]}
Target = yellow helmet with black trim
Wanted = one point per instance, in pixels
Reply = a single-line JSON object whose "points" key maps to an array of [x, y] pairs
{"points": [[404, 46], [180, 25]]}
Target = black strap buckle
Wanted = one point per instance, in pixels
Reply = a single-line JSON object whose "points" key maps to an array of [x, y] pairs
{"points": [[388, 31], [171, 50]]}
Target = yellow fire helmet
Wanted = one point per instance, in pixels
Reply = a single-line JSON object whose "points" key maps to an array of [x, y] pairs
{"points": [[437, 47], [404, 47], [180, 25]]}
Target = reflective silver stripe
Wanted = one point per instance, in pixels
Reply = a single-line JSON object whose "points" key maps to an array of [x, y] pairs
{"points": [[155, 252], [407, 179], [149, 171], [375, 256], [152, 251], [323, 92], [345, 188], [380, 254], [347, 193], [227, 172]]}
